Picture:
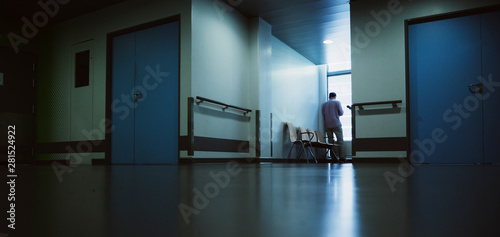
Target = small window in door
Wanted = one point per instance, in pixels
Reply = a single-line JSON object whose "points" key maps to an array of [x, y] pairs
{"points": [[82, 68]]}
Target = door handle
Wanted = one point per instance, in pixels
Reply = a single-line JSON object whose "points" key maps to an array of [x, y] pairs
{"points": [[137, 96], [476, 88]]}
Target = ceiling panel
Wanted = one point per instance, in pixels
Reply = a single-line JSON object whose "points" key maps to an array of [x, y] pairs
{"points": [[305, 24]]}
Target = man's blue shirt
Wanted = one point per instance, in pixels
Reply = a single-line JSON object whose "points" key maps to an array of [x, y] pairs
{"points": [[332, 110]]}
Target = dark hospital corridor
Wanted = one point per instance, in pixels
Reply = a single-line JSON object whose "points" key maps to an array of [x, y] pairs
{"points": [[249, 118]]}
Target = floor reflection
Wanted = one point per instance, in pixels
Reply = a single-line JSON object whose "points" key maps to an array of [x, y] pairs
{"points": [[456, 200], [381, 212], [277, 200], [231, 199], [341, 212], [143, 201]]}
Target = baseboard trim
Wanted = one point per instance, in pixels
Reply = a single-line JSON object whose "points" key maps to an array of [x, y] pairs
{"points": [[218, 160], [214, 144], [99, 161], [377, 160], [250, 160], [89, 146], [50, 162]]}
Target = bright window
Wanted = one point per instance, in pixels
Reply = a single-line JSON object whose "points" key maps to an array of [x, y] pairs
{"points": [[341, 85]]}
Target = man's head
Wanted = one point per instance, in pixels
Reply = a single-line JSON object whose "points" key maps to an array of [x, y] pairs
{"points": [[333, 95]]}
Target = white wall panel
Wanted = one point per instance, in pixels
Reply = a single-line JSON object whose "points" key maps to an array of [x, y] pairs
{"points": [[221, 71], [295, 94]]}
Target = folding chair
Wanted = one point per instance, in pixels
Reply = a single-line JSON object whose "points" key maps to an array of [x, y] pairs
{"points": [[321, 143], [305, 145], [307, 137]]}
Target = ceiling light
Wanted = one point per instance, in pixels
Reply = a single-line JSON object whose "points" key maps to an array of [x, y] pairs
{"points": [[328, 42]]}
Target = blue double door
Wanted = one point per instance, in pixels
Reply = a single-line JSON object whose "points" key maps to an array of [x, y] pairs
{"points": [[454, 90], [145, 96]]}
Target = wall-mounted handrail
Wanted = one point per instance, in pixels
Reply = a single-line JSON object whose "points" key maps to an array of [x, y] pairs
{"points": [[226, 106], [193, 143], [360, 105], [356, 142]]}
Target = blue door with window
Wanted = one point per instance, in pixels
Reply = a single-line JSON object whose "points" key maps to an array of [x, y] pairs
{"points": [[145, 96], [453, 105]]}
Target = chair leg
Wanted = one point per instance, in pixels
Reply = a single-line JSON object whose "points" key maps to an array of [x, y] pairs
{"points": [[289, 152], [312, 154], [305, 152], [306, 149], [332, 150], [326, 153], [309, 148], [298, 151]]}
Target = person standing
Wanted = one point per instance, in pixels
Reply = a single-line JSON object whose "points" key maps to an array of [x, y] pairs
{"points": [[332, 110]]}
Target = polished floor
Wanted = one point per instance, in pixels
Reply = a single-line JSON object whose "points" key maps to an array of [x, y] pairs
{"points": [[242, 199]]}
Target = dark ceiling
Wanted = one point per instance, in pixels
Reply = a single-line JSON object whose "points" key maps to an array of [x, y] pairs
{"points": [[14, 10], [305, 24], [301, 24]]}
